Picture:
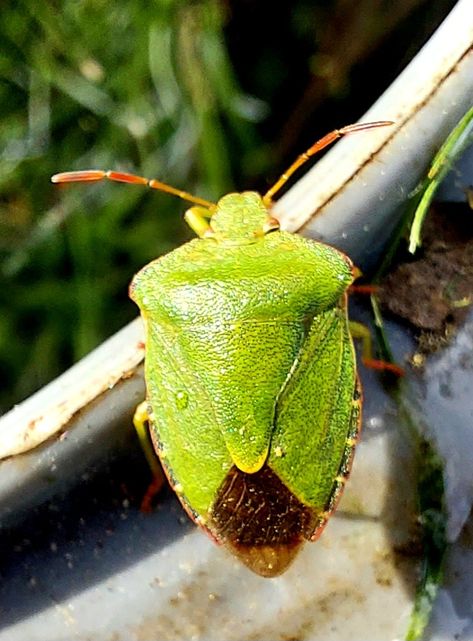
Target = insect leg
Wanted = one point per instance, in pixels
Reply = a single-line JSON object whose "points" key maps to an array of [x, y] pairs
{"points": [[140, 421], [361, 332], [197, 218]]}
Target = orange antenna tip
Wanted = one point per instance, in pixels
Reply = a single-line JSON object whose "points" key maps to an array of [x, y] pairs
{"points": [[89, 175]]}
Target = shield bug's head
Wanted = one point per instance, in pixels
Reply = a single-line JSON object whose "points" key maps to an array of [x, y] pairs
{"points": [[241, 218]]}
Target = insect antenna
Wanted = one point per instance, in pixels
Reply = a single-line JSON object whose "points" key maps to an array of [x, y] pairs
{"points": [[93, 175], [318, 146]]}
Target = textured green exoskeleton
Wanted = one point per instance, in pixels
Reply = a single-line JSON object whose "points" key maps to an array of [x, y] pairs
{"points": [[252, 393], [251, 380]]}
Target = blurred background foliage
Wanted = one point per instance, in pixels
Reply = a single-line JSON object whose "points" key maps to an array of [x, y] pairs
{"points": [[208, 95]]}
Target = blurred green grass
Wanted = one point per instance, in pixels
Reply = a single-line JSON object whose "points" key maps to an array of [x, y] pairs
{"points": [[154, 88]]}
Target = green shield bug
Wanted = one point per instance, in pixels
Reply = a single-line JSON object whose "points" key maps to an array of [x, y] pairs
{"points": [[253, 399]]}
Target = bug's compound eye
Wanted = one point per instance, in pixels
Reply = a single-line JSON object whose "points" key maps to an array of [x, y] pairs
{"points": [[272, 224]]}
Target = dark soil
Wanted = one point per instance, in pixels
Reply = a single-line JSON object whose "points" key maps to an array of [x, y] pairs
{"points": [[433, 290]]}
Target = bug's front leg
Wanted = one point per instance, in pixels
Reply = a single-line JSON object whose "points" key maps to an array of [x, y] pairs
{"points": [[198, 220], [141, 420], [362, 333]]}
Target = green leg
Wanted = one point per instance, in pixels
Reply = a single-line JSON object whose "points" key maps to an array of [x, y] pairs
{"points": [[141, 421], [361, 332], [197, 218]]}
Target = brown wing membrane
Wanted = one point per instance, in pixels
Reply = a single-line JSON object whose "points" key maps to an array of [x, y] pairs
{"points": [[260, 520]]}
